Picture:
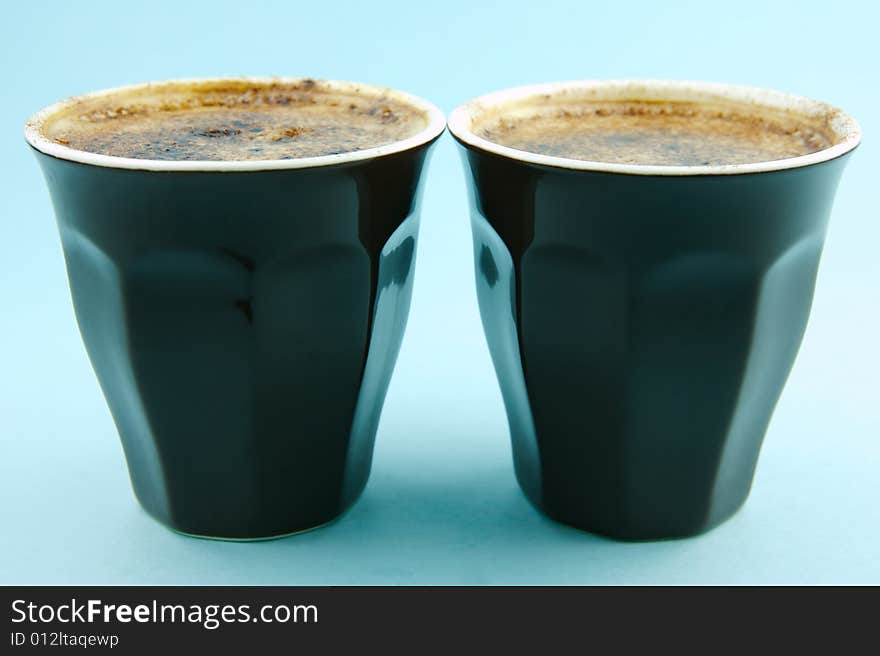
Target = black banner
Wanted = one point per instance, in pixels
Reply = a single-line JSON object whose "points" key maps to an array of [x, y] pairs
{"points": [[413, 619]]}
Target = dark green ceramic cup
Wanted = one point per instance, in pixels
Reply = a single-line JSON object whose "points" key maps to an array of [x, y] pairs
{"points": [[643, 319], [243, 319]]}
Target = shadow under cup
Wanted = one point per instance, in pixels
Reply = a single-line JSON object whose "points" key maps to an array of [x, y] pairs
{"points": [[243, 319], [643, 320]]}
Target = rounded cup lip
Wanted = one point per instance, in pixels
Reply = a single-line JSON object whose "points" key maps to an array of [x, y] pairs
{"points": [[436, 126], [462, 117]]}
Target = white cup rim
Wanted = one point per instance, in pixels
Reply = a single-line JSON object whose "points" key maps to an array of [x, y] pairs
{"points": [[845, 127], [436, 124]]}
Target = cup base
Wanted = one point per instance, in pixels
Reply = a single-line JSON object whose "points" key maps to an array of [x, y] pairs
{"points": [[248, 538], [633, 533], [260, 538]]}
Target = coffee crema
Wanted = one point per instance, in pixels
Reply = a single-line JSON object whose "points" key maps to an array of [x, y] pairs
{"points": [[234, 120], [657, 132]]}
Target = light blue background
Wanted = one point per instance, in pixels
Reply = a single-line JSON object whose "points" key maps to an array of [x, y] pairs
{"points": [[442, 505]]}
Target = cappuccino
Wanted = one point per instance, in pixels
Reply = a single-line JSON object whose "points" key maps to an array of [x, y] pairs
{"points": [[234, 120], [657, 132]]}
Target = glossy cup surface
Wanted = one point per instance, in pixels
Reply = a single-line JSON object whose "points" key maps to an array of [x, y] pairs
{"points": [[643, 319], [243, 319]]}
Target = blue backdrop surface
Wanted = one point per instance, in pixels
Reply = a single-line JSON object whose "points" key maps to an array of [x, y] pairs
{"points": [[442, 505]]}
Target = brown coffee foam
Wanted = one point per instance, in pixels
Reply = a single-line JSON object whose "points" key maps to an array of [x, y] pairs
{"points": [[234, 120], [656, 132]]}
